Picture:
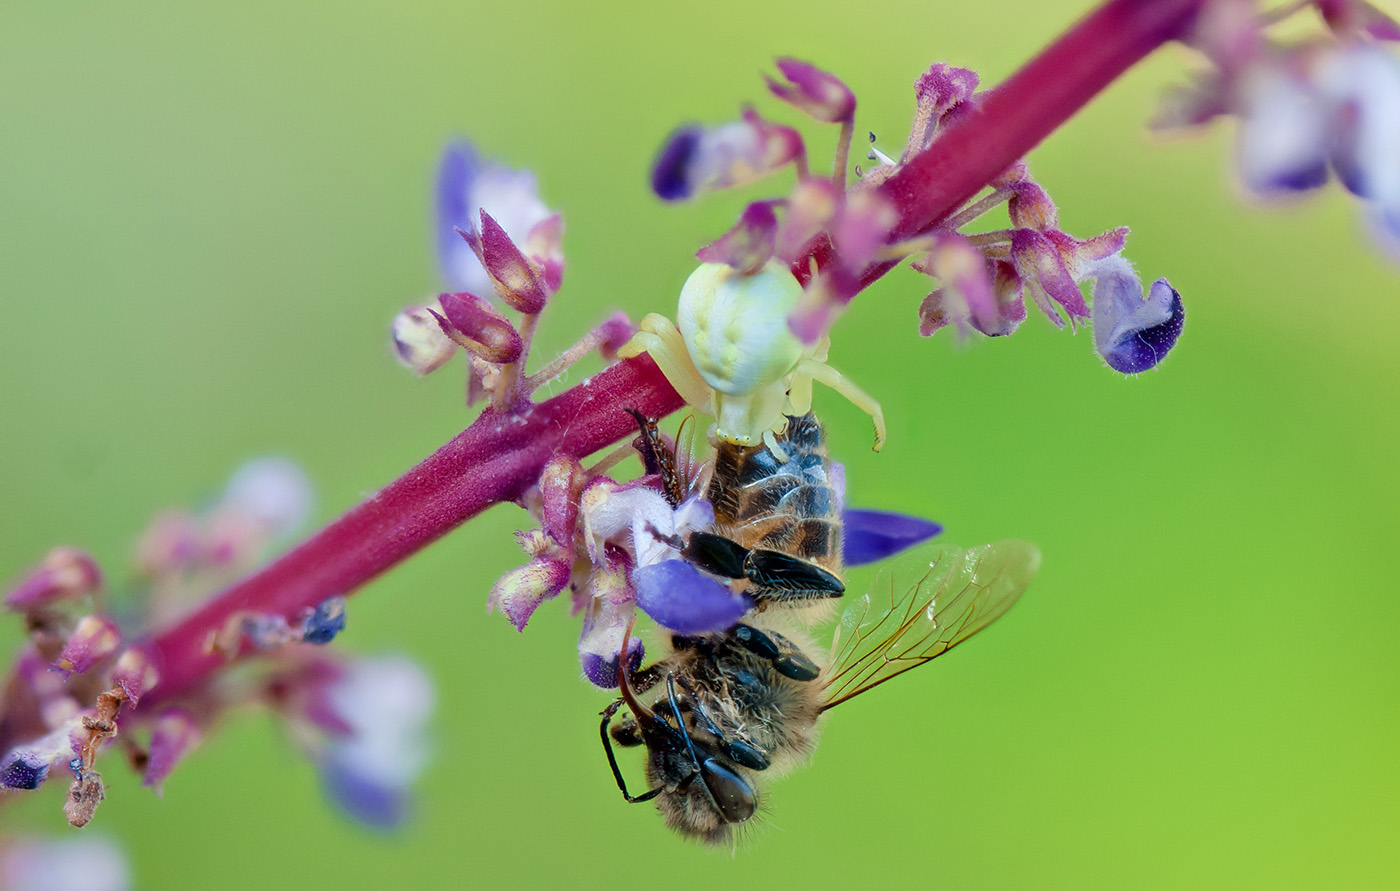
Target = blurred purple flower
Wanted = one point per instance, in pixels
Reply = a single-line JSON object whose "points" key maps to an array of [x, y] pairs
{"points": [[466, 185], [385, 703]]}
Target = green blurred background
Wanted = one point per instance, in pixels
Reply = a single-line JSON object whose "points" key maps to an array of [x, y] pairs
{"points": [[209, 213]]}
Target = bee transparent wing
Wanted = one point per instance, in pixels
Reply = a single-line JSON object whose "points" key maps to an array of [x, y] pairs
{"points": [[927, 604]]}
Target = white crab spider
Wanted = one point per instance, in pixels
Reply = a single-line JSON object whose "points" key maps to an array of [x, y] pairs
{"points": [[733, 357]]}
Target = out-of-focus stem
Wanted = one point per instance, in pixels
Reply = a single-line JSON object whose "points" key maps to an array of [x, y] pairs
{"points": [[495, 459]]}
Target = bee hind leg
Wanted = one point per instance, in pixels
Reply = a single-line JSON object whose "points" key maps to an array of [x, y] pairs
{"points": [[788, 660]]}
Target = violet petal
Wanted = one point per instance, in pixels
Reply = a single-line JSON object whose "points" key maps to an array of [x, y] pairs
{"points": [[680, 597], [870, 535]]}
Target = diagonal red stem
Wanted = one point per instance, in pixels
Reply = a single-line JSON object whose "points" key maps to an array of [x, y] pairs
{"points": [[495, 459], [498, 457]]}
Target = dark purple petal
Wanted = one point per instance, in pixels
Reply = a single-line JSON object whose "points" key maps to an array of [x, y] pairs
{"points": [[601, 671], [323, 623], [682, 598], [870, 535], [1150, 345], [23, 770], [670, 171]]}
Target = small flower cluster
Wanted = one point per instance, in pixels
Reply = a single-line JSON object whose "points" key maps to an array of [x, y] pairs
{"points": [[494, 236], [982, 278], [87, 663], [1310, 108]]}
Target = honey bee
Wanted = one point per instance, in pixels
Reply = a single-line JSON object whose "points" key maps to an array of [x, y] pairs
{"points": [[777, 516], [745, 704]]}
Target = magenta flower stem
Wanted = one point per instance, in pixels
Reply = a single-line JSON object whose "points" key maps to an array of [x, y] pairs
{"points": [[500, 456], [496, 459]]}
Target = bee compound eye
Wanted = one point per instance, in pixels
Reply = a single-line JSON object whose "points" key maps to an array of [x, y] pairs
{"points": [[733, 795]]}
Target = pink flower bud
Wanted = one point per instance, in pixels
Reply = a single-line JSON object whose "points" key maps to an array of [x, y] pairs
{"points": [[174, 736], [515, 280], [749, 245], [818, 93], [420, 345], [478, 328], [135, 673], [93, 640], [65, 574], [1030, 207], [560, 485]]}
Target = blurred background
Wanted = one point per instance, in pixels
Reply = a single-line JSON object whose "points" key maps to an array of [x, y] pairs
{"points": [[209, 214]]}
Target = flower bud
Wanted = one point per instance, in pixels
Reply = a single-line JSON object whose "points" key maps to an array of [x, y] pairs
{"points": [[135, 673], [93, 640], [65, 574], [478, 328], [749, 245], [1131, 332], [510, 270], [174, 736], [818, 93], [419, 343]]}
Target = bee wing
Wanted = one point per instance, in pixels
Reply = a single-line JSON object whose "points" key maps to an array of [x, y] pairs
{"points": [[943, 596]]}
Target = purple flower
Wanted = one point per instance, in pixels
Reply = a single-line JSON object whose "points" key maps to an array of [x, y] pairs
{"points": [[28, 765], [1284, 137], [695, 159], [607, 613], [1131, 332], [385, 703]]}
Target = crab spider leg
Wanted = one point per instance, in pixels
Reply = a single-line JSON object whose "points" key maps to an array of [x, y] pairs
{"points": [[846, 387], [659, 336]]}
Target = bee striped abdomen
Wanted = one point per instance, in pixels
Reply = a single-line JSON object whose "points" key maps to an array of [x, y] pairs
{"points": [[786, 506]]}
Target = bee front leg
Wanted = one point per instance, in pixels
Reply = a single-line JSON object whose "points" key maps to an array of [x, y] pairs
{"points": [[737, 750], [612, 759]]}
